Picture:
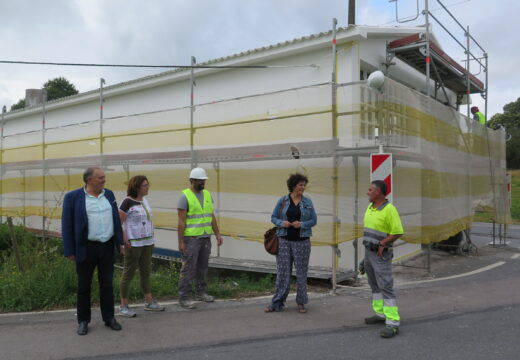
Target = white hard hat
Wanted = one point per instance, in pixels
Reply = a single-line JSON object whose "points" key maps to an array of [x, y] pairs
{"points": [[198, 173]]}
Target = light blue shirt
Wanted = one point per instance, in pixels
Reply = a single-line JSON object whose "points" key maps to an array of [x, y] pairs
{"points": [[99, 214]]}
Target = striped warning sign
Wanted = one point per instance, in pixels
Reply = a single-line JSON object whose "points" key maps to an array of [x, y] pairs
{"points": [[381, 169]]}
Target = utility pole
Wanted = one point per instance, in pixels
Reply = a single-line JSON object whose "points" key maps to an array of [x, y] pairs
{"points": [[351, 12]]}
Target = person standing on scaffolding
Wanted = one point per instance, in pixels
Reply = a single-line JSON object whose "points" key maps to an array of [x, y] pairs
{"points": [[478, 116], [382, 226], [197, 223]]}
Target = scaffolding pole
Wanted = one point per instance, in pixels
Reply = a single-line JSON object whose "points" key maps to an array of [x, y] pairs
{"points": [[192, 111], [101, 121], [335, 158], [44, 169], [427, 38], [2, 124]]}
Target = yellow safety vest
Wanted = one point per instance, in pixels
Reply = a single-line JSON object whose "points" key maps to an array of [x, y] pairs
{"points": [[198, 219], [481, 117]]}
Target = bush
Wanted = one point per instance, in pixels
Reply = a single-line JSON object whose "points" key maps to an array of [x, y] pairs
{"points": [[47, 277]]}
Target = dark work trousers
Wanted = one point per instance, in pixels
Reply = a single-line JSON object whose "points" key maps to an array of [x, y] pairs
{"points": [[100, 255], [194, 266], [289, 253]]}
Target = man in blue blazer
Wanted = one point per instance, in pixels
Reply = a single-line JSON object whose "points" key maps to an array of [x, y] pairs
{"points": [[91, 232]]}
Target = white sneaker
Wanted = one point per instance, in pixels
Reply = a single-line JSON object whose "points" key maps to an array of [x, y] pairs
{"points": [[126, 311], [153, 306], [205, 297], [187, 304]]}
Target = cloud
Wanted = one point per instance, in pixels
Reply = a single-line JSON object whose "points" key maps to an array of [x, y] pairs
{"points": [[171, 31]]}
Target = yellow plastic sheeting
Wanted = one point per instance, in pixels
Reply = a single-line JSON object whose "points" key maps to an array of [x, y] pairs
{"points": [[432, 233], [27, 153], [409, 182], [254, 230], [448, 163], [85, 147]]}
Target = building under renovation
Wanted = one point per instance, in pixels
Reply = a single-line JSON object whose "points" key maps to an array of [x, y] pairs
{"points": [[253, 118]]}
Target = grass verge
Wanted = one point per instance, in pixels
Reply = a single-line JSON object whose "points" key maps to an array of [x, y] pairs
{"points": [[47, 280]]}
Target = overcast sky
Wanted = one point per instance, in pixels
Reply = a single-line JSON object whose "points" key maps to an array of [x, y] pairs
{"points": [[171, 31]]}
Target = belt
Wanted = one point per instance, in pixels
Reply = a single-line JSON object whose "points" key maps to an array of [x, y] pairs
{"points": [[96, 242], [374, 247]]}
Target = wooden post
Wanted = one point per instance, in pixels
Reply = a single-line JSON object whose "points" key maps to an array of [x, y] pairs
{"points": [[14, 243]]}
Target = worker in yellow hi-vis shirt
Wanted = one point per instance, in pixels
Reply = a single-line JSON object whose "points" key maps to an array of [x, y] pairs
{"points": [[382, 226], [478, 116]]}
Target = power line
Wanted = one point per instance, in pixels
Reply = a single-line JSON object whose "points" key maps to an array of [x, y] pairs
{"points": [[18, 62]]}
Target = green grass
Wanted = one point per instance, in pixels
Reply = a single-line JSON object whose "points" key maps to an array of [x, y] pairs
{"points": [[48, 280]]}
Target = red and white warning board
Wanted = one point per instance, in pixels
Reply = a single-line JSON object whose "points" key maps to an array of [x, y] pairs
{"points": [[381, 169]]}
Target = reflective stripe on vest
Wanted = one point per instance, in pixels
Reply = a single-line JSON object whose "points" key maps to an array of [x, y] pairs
{"points": [[198, 219], [481, 117]]}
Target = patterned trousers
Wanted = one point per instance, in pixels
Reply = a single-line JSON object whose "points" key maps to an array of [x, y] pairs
{"points": [[289, 252]]}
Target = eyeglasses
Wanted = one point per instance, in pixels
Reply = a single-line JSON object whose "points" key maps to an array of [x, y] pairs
{"points": [[145, 185]]}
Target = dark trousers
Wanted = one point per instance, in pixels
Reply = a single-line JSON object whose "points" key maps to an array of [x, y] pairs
{"points": [[194, 266], [100, 255]]}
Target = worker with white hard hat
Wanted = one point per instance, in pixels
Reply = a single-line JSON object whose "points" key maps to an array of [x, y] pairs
{"points": [[197, 223]]}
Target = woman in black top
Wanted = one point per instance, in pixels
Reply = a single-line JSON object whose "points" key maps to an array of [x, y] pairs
{"points": [[294, 216]]}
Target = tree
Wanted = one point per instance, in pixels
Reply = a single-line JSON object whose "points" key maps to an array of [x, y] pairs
{"points": [[510, 119], [19, 105], [58, 88]]}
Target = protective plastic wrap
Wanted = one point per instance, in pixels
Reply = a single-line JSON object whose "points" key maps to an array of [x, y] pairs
{"points": [[445, 165]]}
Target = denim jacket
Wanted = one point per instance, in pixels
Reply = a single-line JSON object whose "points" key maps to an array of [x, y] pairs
{"points": [[308, 218]]}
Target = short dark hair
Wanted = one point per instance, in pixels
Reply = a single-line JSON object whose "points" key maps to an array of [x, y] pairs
{"points": [[89, 172], [134, 184], [381, 185], [295, 179]]}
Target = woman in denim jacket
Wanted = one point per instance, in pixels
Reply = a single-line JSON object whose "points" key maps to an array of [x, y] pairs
{"points": [[294, 217]]}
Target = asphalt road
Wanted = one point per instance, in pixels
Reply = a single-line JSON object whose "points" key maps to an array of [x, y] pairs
{"points": [[482, 234], [486, 334], [467, 308]]}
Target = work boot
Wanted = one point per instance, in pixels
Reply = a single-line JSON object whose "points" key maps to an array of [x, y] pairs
{"points": [[375, 319], [205, 297], [187, 304], [389, 331]]}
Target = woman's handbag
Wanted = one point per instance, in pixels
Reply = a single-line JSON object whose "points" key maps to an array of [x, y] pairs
{"points": [[270, 237], [271, 241]]}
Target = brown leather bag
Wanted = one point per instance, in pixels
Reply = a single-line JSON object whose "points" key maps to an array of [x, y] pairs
{"points": [[271, 241], [270, 237]]}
